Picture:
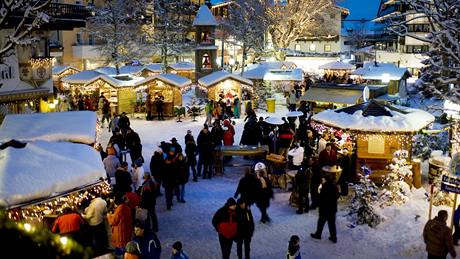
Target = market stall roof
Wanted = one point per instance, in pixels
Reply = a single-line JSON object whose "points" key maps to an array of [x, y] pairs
{"points": [[376, 117], [78, 126], [382, 71], [42, 170], [60, 69], [337, 65], [83, 77], [204, 17], [173, 79], [332, 95], [155, 67], [131, 69], [274, 71], [106, 70], [21, 90], [222, 75], [182, 66]]}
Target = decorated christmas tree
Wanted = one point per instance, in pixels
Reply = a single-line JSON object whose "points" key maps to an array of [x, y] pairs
{"points": [[361, 210], [262, 92], [396, 188], [193, 108]]}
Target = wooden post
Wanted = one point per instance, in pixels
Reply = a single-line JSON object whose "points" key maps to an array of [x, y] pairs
{"points": [[453, 211], [431, 201]]}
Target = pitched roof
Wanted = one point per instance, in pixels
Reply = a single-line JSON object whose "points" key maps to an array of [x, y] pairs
{"points": [[204, 17], [337, 65], [332, 95], [179, 66], [372, 72], [173, 79], [59, 69], [219, 76]]}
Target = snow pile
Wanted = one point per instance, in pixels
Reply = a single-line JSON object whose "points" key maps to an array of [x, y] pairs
{"points": [[222, 75], [43, 169], [56, 126], [204, 17], [411, 120]]}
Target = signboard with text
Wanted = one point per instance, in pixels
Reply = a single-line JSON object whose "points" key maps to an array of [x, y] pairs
{"points": [[450, 184]]}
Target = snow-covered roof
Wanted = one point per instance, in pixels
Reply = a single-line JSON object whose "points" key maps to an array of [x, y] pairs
{"points": [[182, 66], [156, 67], [337, 65], [332, 95], [172, 79], [204, 17], [274, 71], [402, 119], [78, 126], [43, 169], [219, 76], [382, 71], [106, 70], [83, 77], [59, 69], [131, 69], [89, 76]]}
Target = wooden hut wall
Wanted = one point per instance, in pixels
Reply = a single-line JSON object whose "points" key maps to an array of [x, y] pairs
{"points": [[393, 87], [376, 156], [126, 100], [177, 97]]}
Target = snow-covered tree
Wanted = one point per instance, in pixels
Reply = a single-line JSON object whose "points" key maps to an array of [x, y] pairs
{"points": [[396, 189], [32, 16], [441, 76], [194, 108], [168, 33], [362, 207], [289, 20], [246, 24], [117, 25]]}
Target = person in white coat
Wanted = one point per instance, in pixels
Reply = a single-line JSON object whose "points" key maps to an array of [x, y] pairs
{"points": [[297, 156], [94, 216], [137, 174]]}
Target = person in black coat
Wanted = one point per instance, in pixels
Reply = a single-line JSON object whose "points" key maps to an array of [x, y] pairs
{"points": [[344, 179], [302, 186], [217, 134], [133, 143], [123, 179], [177, 147], [148, 194], [327, 209], [205, 149], [252, 133], [315, 182], [245, 229], [191, 151], [248, 187], [264, 196], [169, 177], [224, 221], [182, 177], [123, 123], [156, 168]]}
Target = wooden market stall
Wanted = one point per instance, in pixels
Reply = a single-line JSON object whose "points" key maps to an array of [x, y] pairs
{"points": [[225, 85], [185, 69], [378, 130], [119, 90], [59, 72], [169, 87], [337, 72]]}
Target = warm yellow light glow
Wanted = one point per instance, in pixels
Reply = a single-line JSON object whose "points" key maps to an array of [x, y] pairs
{"points": [[27, 227], [63, 240]]}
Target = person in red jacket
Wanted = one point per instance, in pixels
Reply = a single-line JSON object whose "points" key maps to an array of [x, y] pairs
{"points": [[224, 221], [69, 223], [328, 156], [229, 133]]}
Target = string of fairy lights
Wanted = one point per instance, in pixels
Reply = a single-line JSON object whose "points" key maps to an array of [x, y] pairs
{"points": [[41, 62], [56, 206]]}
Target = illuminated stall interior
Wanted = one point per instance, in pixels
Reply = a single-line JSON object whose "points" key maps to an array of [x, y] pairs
{"points": [[377, 130], [169, 87], [224, 85], [336, 71]]}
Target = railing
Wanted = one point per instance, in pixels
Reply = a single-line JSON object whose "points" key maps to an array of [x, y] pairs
{"points": [[67, 11]]}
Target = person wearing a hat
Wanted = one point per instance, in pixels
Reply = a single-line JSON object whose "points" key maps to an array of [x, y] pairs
{"points": [[148, 194], [224, 221], [176, 146], [265, 191], [170, 176], [205, 149], [191, 151]]}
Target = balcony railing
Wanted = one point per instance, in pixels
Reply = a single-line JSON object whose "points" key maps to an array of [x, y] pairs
{"points": [[67, 11]]}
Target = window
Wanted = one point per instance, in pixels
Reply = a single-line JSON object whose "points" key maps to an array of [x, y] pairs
{"points": [[206, 61], [417, 48], [297, 47], [418, 28], [91, 39], [205, 39], [313, 47], [327, 48], [79, 39]]}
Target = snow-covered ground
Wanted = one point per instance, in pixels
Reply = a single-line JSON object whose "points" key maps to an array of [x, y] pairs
{"points": [[400, 236]]}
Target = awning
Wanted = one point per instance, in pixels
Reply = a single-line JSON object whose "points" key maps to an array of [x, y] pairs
{"points": [[24, 95], [342, 96]]}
